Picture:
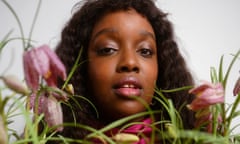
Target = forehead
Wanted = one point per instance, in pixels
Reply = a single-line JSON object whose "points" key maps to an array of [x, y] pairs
{"points": [[124, 19]]}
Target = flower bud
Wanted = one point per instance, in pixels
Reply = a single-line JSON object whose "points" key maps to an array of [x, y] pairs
{"points": [[171, 130], [125, 138], [12, 82], [69, 88]]}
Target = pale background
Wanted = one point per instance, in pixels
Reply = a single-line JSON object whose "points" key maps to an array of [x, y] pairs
{"points": [[205, 30]]}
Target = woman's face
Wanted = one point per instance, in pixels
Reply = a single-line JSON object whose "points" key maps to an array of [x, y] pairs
{"points": [[122, 64]]}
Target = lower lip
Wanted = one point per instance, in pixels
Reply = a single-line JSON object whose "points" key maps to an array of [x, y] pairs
{"points": [[128, 92]]}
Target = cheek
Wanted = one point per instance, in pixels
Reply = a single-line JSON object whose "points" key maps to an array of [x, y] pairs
{"points": [[100, 74], [151, 72]]}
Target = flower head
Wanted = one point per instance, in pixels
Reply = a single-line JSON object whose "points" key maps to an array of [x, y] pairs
{"points": [[47, 102], [236, 89], [42, 62], [53, 112], [206, 94]]}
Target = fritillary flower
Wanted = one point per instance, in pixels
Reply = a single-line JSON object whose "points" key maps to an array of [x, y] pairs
{"points": [[52, 112], [42, 62], [206, 94]]}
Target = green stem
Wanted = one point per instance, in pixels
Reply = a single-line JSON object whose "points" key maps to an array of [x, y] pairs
{"points": [[237, 101], [33, 24], [75, 66], [17, 19], [229, 69]]}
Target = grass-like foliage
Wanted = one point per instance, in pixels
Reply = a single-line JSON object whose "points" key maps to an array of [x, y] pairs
{"points": [[16, 100]]}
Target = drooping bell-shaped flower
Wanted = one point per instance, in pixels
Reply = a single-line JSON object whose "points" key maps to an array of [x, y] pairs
{"points": [[207, 94], [48, 103], [236, 89], [38, 98], [53, 112], [42, 62]]}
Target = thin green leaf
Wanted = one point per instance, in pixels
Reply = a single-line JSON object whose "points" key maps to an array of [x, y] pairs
{"points": [[3, 41], [33, 24], [220, 70], [17, 19], [229, 69], [213, 75], [177, 89]]}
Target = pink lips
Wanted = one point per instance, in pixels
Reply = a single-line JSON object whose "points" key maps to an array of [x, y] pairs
{"points": [[128, 87]]}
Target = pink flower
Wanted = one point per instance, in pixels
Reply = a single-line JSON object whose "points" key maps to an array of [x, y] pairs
{"points": [[236, 89], [53, 112], [54, 92], [47, 102], [206, 94], [42, 62]]}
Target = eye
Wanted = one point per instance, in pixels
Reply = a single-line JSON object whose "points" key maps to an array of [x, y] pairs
{"points": [[145, 52], [106, 51]]}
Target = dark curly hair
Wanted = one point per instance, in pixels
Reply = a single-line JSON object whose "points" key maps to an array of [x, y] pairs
{"points": [[173, 72]]}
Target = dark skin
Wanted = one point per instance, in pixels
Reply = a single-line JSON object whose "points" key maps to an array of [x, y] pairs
{"points": [[172, 71], [122, 64]]}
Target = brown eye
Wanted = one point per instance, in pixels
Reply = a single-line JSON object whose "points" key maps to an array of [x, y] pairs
{"points": [[106, 51], [145, 52]]}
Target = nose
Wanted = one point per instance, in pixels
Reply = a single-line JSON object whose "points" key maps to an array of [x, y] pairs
{"points": [[128, 62]]}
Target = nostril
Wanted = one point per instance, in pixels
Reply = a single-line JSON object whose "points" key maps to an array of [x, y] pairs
{"points": [[135, 69], [124, 69], [129, 69]]}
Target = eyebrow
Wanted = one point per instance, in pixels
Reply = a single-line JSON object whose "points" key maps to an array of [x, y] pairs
{"points": [[112, 30], [105, 30], [146, 33]]}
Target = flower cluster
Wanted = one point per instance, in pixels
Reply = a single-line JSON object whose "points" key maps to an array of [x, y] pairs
{"points": [[42, 63], [209, 103]]}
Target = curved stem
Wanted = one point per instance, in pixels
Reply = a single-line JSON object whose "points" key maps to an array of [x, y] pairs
{"points": [[17, 19], [33, 24]]}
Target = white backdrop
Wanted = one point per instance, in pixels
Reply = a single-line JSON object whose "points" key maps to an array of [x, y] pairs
{"points": [[205, 30]]}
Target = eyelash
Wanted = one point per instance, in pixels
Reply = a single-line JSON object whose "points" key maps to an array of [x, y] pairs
{"points": [[106, 51], [146, 52]]}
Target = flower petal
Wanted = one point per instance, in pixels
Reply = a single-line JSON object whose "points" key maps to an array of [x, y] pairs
{"points": [[207, 94], [41, 61], [37, 102], [57, 67], [236, 89], [53, 113], [30, 72]]}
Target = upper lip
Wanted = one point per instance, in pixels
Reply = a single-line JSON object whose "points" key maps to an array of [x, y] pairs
{"points": [[128, 82]]}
